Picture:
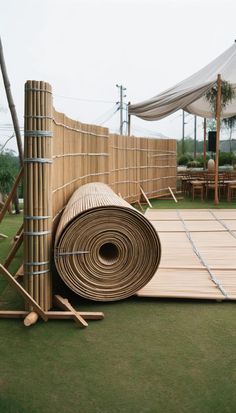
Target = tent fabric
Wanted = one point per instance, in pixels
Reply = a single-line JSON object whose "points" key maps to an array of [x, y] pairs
{"points": [[189, 94]]}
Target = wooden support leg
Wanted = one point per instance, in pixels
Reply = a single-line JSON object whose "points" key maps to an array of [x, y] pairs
{"points": [[52, 315], [65, 305], [13, 250], [27, 297]]}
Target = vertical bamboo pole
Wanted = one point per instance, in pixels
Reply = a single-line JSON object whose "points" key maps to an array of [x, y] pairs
{"points": [[218, 113], [38, 192]]}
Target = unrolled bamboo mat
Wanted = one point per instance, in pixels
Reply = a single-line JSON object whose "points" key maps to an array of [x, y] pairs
{"points": [[198, 254]]}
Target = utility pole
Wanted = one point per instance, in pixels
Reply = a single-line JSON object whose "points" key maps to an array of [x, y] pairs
{"points": [[121, 107], [195, 136], [183, 123]]}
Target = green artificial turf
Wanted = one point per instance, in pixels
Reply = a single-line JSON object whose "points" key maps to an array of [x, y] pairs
{"points": [[146, 356]]}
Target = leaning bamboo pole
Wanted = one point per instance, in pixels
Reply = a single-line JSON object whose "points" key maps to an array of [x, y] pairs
{"points": [[37, 195]]}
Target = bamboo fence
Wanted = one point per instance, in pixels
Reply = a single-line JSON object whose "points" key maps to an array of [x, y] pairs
{"points": [[61, 155]]}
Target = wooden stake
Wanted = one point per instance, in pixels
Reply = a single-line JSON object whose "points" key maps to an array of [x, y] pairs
{"points": [[218, 113], [145, 196], [172, 194]]}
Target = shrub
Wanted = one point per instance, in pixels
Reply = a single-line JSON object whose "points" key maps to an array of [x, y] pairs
{"points": [[184, 159], [226, 158], [193, 164]]}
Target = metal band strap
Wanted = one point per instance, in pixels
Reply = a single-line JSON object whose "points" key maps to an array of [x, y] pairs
{"points": [[39, 133], [37, 217], [37, 272], [37, 117], [61, 254], [37, 263], [37, 160], [37, 233], [38, 90]]}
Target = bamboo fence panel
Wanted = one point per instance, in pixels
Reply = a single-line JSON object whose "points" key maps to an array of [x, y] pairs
{"points": [[38, 192], [75, 154], [105, 249]]}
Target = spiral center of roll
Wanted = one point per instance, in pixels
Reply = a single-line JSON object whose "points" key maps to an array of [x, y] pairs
{"points": [[108, 253]]}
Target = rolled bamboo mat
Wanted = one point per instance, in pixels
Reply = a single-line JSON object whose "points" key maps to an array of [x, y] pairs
{"points": [[105, 250]]}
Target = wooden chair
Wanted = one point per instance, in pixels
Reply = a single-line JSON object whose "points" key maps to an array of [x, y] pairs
{"points": [[197, 189], [231, 191]]}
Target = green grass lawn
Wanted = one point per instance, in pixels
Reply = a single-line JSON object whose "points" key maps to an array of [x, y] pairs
{"points": [[147, 355]]}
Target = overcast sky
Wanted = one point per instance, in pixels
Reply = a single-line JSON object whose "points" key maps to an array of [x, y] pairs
{"points": [[83, 48]]}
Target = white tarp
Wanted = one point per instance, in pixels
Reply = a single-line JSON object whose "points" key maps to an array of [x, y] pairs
{"points": [[189, 94]]}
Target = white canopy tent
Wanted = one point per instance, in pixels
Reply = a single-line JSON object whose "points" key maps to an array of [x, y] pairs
{"points": [[189, 94]]}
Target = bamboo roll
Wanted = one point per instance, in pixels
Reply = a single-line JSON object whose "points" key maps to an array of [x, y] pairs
{"points": [[105, 250]]}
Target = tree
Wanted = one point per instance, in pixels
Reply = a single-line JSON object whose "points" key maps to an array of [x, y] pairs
{"points": [[9, 168], [230, 124], [227, 95]]}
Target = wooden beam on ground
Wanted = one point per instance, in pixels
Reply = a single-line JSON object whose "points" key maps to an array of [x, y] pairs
{"points": [[11, 195], [65, 305], [3, 236], [172, 194], [145, 196], [13, 250], [53, 315], [27, 297]]}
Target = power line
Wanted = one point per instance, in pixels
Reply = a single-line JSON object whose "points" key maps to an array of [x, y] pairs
{"points": [[99, 118], [84, 100], [109, 117]]}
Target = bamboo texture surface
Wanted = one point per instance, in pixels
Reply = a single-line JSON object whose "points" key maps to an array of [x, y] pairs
{"points": [[198, 254], [105, 250]]}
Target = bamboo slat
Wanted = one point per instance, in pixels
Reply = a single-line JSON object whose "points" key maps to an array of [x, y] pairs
{"points": [[203, 268], [105, 250]]}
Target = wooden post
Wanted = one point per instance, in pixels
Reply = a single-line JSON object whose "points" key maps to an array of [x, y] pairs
{"points": [[204, 143], [218, 113], [195, 136], [11, 103]]}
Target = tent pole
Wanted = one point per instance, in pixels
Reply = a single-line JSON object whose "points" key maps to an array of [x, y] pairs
{"points": [[183, 123], [218, 113], [204, 143], [195, 136]]}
